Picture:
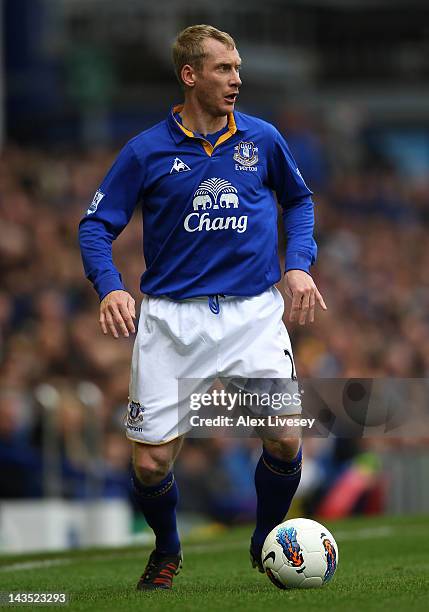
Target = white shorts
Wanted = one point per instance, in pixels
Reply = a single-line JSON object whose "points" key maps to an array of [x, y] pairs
{"points": [[186, 340]]}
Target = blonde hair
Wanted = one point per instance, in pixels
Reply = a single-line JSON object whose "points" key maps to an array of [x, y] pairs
{"points": [[188, 46]]}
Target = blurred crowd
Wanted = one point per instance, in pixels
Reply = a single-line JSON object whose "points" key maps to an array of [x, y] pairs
{"points": [[64, 386]]}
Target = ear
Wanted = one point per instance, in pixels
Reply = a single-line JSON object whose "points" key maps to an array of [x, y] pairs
{"points": [[188, 75]]}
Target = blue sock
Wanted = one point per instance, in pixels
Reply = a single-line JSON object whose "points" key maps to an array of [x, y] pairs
{"points": [[276, 482], [158, 504]]}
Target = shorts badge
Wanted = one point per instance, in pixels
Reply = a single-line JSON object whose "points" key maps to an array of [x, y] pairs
{"points": [[135, 414]]}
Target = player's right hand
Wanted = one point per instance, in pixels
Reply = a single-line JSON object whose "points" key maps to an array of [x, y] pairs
{"points": [[117, 311]]}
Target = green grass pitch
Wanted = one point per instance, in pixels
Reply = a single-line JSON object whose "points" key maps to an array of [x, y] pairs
{"points": [[383, 565]]}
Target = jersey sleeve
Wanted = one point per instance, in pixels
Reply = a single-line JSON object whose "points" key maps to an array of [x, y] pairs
{"points": [[297, 206], [108, 214]]}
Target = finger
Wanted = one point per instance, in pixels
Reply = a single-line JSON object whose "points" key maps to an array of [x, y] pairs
{"points": [[305, 305], [288, 290], [132, 307], [295, 307], [312, 307], [103, 323], [127, 318], [321, 300], [111, 325], [118, 319]]}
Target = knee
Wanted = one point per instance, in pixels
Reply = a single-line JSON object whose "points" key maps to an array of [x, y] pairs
{"points": [[150, 469], [285, 449]]}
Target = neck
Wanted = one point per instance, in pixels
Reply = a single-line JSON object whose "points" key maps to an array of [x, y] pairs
{"points": [[194, 118]]}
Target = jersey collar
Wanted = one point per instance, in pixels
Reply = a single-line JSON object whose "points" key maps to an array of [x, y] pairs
{"points": [[180, 133]]}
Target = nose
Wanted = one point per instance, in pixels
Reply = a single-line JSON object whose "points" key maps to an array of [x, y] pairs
{"points": [[236, 81]]}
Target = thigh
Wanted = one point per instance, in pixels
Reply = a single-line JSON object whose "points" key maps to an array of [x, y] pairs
{"points": [[172, 344], [256, 342], [257, 354]]}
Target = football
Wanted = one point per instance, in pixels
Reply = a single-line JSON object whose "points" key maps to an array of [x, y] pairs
{"points": [[300, 553]]}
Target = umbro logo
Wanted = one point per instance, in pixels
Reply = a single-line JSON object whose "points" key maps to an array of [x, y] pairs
{"points": [[179, 166]]}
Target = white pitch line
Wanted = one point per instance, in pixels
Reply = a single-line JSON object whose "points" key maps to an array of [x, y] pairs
{"points": [[197, 548], [28, 565], [364, 534], [383, 531]]}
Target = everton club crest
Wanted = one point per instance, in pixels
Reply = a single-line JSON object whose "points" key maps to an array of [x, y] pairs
{"points": [[246, 154], [134, 416]]}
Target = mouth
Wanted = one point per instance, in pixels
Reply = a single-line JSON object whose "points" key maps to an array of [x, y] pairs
{"points": [[231, 98]]}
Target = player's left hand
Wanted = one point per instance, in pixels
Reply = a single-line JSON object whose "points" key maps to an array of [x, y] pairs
{"points": [[302, 289]]}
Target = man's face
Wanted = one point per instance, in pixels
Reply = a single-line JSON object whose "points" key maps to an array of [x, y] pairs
{"points": [[217, 84]]}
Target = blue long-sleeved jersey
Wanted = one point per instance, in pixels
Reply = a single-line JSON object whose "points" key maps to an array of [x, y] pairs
{"points": [[210, 216]]}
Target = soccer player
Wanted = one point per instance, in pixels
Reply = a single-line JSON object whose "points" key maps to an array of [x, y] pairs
{"points": [[205, 178]]}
